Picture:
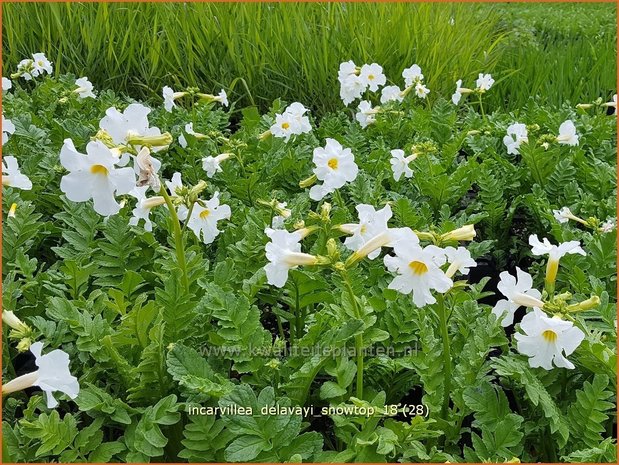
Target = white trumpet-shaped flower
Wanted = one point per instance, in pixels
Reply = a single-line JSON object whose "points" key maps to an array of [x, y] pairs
{"points": [[84, 88], [457, 95], [335, 166], [41, 64], [484, 82], [212, 165], [459, 259], [8, 128], [284, 253], [366, 114], [563, 215], [175, 185], [399, 164], [421, 90], [222, 97], [372, 76], [418, 271], [6, 84], [547, 341], [131, 127], [391, 93], [12, 176], [567, 134], [291, 122], [169, 97], [204, 218], [516, 135], [412, 75], [372, 222], [518, 292], [283, 214], [53, 375], [554, 252], [143, 207], [95, 176]]}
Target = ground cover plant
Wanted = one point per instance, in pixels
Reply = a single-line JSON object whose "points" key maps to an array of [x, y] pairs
{"points": [[416, 276]]}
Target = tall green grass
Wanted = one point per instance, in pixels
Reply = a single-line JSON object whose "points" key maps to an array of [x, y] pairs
{"points": [[279, 50], [562, 52], [292, 50]]}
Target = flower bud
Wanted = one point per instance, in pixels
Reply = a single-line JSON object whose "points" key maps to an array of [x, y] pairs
{"points": [[465, 233], [308, 182], [588, 304], [12, 210], [161, 140]]}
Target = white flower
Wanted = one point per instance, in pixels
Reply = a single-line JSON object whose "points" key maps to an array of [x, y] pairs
{"points": [[84, 88], [567, 133], [174, 186], [204, 218], [484, 82], [351, 89], [366, 114], [335, 166], [554, 252], [6, 84], [457, 95], [189, 130], [278, 220], [53, 375], [399, 164], [143, 207], [418, 271], [131, 127], [41, 64], [519, 293], [563, 215], [11, 176], [412, 75], [372, 222], [212, 164], [7, 128], [372, 76], [548, 340], [24, 69], [284, 253], [346, 69], [609, 225], [421, 90], [222, 98], [168, 98], [297, 111], [516, 135], [391, 93], [284, 126], [459, 260], [95, 176]]}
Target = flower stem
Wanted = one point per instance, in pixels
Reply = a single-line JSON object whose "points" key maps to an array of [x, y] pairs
{"points": [[358, 337], [481, 108], [442, 314], [178, 238]]}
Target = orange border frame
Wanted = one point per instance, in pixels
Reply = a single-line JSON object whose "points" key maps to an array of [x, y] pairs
{"points": [[298, 1]]}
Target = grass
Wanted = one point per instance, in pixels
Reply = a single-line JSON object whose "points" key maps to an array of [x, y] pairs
{"points": [[266, 51]]}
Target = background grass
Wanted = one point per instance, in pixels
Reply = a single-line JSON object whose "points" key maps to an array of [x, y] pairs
{"points": [[553, 52]]}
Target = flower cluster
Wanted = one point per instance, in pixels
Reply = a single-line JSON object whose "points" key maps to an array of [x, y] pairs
{"points": [[546, 340], [30, 68]]}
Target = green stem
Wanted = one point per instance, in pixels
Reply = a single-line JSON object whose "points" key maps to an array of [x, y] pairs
{"points": [[358, 337], [442, 314], [178, 238], [481, 108]]}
